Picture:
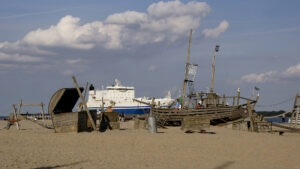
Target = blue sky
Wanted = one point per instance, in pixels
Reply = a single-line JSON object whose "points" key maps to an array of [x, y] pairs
{"points": [[144, 44]]}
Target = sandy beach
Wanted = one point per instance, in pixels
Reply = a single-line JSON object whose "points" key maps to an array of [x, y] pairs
{"points": [[36, 147]]}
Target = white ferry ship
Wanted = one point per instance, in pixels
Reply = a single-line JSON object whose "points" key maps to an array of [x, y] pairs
{"points": [[120, 98]]}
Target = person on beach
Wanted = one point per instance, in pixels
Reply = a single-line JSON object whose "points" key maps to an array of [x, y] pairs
{"points": [[122, 117], [178, 105], [109, 109]]}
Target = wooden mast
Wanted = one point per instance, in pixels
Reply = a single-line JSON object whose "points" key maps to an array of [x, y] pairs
{"points": [[84, 103], [186, 70], [213, 70]]}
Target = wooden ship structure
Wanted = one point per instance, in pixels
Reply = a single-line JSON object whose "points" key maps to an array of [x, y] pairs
{"points": [[213, 107]]}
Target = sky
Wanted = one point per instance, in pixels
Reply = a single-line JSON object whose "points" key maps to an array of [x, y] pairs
{"points": [[144, 44]]}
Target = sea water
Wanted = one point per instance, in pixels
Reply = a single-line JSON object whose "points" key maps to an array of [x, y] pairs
{"points": [[278, 120]]}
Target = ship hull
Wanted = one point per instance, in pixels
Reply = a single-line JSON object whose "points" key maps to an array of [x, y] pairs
{"points": [[126, 110]]}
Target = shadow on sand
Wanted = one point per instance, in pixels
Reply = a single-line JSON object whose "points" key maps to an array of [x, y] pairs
{"points": [[59, 166], [226, 164]]}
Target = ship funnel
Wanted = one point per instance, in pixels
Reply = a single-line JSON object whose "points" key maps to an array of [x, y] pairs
{"points": [[91, 89]]}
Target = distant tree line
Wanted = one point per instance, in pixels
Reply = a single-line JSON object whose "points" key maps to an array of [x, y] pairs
{"points": [[273, 113]]}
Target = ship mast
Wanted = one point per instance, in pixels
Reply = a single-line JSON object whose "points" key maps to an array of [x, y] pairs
{"points": [[186, 70], [213, 70]]}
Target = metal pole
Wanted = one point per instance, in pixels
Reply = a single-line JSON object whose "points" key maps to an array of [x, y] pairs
{"points": [[186, 70]]}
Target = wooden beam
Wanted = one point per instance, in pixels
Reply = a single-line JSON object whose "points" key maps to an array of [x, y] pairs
{"points": [[254, 104], [292, 118], [16, 117], [249, 108], [19, 107], [223, 100], [38, 104], [84, 103], [149, 104], [186, 70], [213, 72], [297, 114], [43, 113], [238, 96], [152, 106], [233, 100]]}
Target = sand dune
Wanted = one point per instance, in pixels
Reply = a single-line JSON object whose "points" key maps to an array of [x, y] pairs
{"points": [[36, 147]]}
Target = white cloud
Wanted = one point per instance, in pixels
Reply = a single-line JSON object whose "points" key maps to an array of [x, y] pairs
{"points": [[293, 71], [18, 58], [215, 32], [128, 17], [273, 76], [67, 72], [163, 21], [260, 77], [4, 66], [73, 61], [177, 8], [67, 33]]}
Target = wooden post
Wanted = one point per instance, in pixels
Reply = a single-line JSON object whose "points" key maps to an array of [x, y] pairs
{"points": [[19, 107], [257, 97], [293, 111], [16, 118], [84, 103], [238, 96], [297, 114], [152, 106], [102, 110], [213, 71], [84, 95], [233, 100], [186, 70], [223, 100], [249, 108], [85, 89], [43, 113]]}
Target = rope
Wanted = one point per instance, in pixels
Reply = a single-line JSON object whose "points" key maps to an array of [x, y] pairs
{"points": [[277, 104], [267, 117]]}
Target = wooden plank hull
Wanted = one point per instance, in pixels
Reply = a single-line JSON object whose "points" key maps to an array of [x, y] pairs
{"points": [[227, 113]]}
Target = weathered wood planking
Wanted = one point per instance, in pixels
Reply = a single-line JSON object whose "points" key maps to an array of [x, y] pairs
{"points": [[195, 123]]}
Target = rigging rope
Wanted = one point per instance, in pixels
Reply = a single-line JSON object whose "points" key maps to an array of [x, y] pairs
{"points": [[282, 102]]}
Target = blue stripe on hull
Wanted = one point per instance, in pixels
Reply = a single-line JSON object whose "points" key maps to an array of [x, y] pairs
{"points": [[133, 111], [127, 111]]}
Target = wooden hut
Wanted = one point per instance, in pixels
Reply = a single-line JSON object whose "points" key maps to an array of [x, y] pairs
{"points": [[64, 120]]}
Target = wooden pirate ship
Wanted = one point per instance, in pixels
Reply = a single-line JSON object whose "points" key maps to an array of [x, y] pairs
{"points": [[212, 106]]}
